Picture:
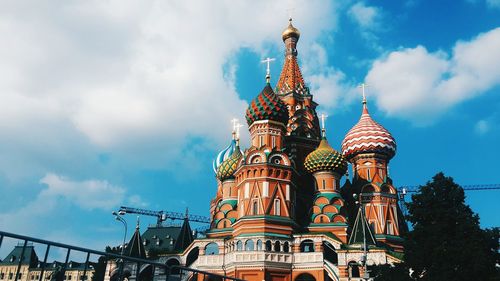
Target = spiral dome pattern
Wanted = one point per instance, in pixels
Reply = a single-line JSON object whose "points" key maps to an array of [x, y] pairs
{"points": [[267, 106], [368, 136], [229, 166], [325, 158]]}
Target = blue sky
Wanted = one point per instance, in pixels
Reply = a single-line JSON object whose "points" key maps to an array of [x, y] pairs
{"points": [[126, 103]]}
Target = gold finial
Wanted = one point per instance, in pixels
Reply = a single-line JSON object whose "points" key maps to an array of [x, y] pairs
{"points": [[290, 31]]}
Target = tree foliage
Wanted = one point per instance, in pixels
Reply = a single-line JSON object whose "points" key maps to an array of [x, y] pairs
{"points": [[446, 241]]}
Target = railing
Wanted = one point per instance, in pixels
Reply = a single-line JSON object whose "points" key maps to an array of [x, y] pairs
{"points": [[159, 271]]}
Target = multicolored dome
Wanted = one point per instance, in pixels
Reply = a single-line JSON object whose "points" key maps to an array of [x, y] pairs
{"points": [[368, 136], [267, 106], [325, 158], [290, 31], [228, 167], [224, 154]]}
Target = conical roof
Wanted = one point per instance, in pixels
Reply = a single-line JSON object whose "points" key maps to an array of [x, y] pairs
{"points": [[267, 106], [325, 158], [361, 230], [368, 136], [135, 248], [185, 237]]}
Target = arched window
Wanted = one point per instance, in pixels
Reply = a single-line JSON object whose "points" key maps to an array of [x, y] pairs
{"points": [[305, 277], [353, 269], [239, 245], [273, 141], [323, 184], [249, 245], [368, 176], [389, 228], [259, 245], [255, 207], [286, 247], [307, 246], [269, 246], [212, 249], [277, 207], [277, 246]]}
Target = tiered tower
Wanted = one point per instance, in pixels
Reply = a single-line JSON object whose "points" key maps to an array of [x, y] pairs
{"points": [[369, 147], [280, 211]]}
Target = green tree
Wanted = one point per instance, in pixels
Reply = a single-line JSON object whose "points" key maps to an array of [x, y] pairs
{"points": [[446, 241]]}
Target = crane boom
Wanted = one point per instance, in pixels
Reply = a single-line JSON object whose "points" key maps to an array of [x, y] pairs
{"points": [[162, 216], [470, 187]]}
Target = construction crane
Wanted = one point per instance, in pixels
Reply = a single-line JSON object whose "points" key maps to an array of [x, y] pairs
{"points": [[162, 216], [403, 190]]}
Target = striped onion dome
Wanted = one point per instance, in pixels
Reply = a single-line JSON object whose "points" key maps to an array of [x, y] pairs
{"points": [[224, 154], [228, 167], [267, 106], [368, 136], [325, 158]]}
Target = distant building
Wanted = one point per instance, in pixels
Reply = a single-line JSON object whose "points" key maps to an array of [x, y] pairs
{"points": [[31, 268], [162, 244]]}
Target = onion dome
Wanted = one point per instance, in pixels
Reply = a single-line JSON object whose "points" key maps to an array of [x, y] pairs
{"points": [[228, 167], [368, 136], [325, 158], [224, 154], [267, 106], [290, 31]]}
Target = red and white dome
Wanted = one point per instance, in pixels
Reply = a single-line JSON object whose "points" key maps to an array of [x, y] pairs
{"points": [[368, 136]]}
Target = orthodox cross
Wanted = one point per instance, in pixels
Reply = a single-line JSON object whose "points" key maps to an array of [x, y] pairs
{"points": [[235, 123], [363, 87], [290, 13], [323, 118], [238, 126], [268, 70]]}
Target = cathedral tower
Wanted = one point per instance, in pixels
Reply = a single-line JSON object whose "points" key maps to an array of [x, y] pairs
{"points": [[369, 147]]}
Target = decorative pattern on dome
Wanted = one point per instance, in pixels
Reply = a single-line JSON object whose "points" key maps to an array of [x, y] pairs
{"points": [[224, 155], [325, 158], [267, 106], [291, 78], [228, 167], [368, 136]]}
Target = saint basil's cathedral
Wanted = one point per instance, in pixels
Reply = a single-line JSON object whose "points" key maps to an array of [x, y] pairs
{"points": [[279, 211]]}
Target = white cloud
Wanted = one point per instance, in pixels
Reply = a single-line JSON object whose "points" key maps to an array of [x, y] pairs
{"points": [[366, 16], [128, 78], [418, 85], [482, 127], [88, 194]]}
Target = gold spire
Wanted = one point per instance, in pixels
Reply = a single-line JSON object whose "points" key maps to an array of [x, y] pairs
{"points": [[290, 31]]}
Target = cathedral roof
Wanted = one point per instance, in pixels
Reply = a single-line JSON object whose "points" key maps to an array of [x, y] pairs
{"points": [[368, 136], [228, 167], [360, 230], [135, 247], [325, 158], [267, 106], [224, 155], [290, 31]]}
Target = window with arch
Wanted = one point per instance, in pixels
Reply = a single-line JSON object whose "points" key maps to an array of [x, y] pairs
{"points": [[259, 245], [286, 247], [277, 207], [249, 245], [353, 269], [368, 176], [269, 246], [307, 246], [212, 249], [255, 207], [239, 246], [323, 184], [261, 140], [372, 226], [305, 277], [277, 246], [389, 231], [273, 141]]}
